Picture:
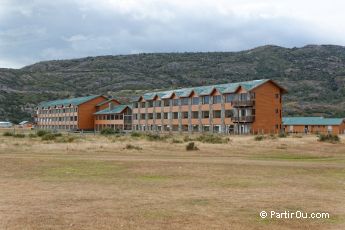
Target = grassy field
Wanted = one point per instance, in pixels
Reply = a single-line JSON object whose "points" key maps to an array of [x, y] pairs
{"points": [[124, 182]]}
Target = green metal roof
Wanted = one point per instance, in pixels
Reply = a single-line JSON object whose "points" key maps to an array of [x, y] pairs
{"points": [[311, 121], [116, 109], [67, 102], [106, 101], [206, 90]]}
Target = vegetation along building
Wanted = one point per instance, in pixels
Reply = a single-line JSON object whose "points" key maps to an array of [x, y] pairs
{"points": [[314, 125], [72, 113], [237, 108]]}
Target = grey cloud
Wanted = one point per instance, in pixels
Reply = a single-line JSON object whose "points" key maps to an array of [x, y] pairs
{"points": [[42, 31]]}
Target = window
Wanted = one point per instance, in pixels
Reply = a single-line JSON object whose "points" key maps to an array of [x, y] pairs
{"points": [[75, 118], [184, 101], [195, 101], [142, 105], [206, 128], [195, 115], [150, 104], [205, 114], [184, 115], [175, 102], [158, 115], [150, 116], [165, 115], [136, 105], [158, 103], [217, 99], [175, 115], [142, 116], [229, 97], [244, 96], [166, 102], [228, 113], [216, 114], [205, 99]]}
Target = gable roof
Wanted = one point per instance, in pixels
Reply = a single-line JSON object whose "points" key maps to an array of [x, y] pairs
{"points": [[106, 101], [24, 122], [311, 121], [206, 90], [68, 101], [116, 109]]}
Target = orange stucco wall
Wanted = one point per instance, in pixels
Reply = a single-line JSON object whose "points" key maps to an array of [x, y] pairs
{"points": [[86, 113], [266, 104]]}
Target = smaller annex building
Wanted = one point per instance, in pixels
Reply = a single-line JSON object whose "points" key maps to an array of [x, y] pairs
{"points": [[314, 125], [71, 113], [116, 117], [5, 124]]}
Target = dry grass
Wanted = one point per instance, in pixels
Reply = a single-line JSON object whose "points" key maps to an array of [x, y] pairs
{"points": [[96, 183]]}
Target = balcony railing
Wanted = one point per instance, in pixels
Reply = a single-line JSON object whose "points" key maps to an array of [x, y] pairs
{"points": [[244, 119], [243, 103]]}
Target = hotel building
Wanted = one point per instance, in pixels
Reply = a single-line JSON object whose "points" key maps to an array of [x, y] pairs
{"points": [[234, 108]]}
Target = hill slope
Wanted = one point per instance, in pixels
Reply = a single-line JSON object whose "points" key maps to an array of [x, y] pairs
{"points": [[313, 75]]}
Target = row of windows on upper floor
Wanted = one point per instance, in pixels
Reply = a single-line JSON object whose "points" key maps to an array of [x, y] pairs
{"points": [[55, 111], [52, 119], [195, 114], [228, 98]]}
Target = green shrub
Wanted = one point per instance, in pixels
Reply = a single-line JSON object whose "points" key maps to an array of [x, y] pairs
{"points": [[19, 135], [109, 131], [32, 135], [191, 146], [176, 141], [136, 134], [187, 138], [48, 137], [41, 133], [66, 139], [282, 135], [130, 146], [7, 134], [259, 137], [156, 137], [213, 139], [329, 138]]}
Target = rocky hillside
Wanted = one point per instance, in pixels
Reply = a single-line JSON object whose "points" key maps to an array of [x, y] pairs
{"points": [[313, 75]]}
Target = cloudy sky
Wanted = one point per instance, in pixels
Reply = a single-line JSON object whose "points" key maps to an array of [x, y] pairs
{"points": [[35, 30]]}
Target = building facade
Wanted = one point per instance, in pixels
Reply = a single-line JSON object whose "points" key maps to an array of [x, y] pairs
{"points": [[68, 114], [234, 108], [116, 117], [314, 125]]}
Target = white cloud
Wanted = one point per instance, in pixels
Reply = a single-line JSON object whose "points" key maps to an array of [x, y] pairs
{"points": [[40, 29]]}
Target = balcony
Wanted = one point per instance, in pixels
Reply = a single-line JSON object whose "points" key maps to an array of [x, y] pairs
{"points": [[246, 103], [244, 119]]}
